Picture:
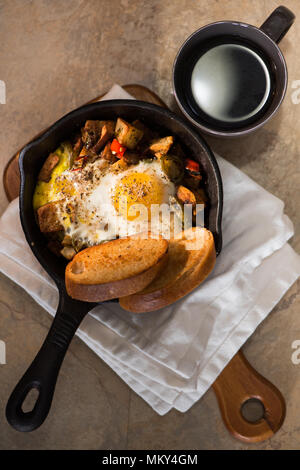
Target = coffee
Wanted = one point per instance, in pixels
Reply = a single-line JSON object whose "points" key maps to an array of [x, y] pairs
{"points": [[230, 83]]}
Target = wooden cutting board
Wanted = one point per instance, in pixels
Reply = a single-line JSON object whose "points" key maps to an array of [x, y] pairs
{"points": [[239, 385]]}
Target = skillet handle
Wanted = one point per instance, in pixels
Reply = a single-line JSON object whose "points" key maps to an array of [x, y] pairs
{"points": [[43, 372]]}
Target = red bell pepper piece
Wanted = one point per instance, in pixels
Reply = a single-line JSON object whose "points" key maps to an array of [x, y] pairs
{"points": [[117, 148], [192, 166]]}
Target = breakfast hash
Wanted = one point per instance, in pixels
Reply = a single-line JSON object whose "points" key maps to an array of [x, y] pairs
{"points": [[108, 180]]}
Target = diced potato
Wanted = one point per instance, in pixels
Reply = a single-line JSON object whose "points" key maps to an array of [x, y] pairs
{"points": [[195, 197], [91, 132], [185, 195], [68, 252], [48, 217], [161, 146], [127, 134], [107, 133]]}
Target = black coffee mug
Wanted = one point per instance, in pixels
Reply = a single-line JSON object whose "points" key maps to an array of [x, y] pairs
{"points": [[230, 60]]}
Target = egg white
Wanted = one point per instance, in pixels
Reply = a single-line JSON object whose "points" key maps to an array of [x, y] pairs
{"points": [[97, 219]]}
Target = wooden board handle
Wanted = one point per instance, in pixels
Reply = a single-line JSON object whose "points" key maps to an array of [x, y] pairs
{"points": [[237, 384]]}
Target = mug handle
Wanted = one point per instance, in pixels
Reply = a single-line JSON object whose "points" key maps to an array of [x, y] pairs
{"points": [[278, 23]]}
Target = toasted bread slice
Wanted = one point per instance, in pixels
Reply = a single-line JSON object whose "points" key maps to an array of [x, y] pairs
{"points": [[190, 260], [116, 268]]}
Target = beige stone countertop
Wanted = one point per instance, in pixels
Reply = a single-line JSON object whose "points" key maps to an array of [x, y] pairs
{"points": [[57, 55]]}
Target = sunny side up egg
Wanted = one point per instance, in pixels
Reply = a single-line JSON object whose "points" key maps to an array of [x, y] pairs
{"points": [[117, 203]]}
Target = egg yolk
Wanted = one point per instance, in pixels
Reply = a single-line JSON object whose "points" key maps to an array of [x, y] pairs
{"points": [[137, 188]]}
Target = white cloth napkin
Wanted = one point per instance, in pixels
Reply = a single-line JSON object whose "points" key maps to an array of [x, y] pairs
{"points": [[172, 356]]}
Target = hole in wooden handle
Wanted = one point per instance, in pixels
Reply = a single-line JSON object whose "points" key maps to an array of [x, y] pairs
{"points": [[253, 410], [240, 386]]}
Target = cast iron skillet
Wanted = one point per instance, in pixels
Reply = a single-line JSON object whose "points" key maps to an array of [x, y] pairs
{"points": [[43, 372]]}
